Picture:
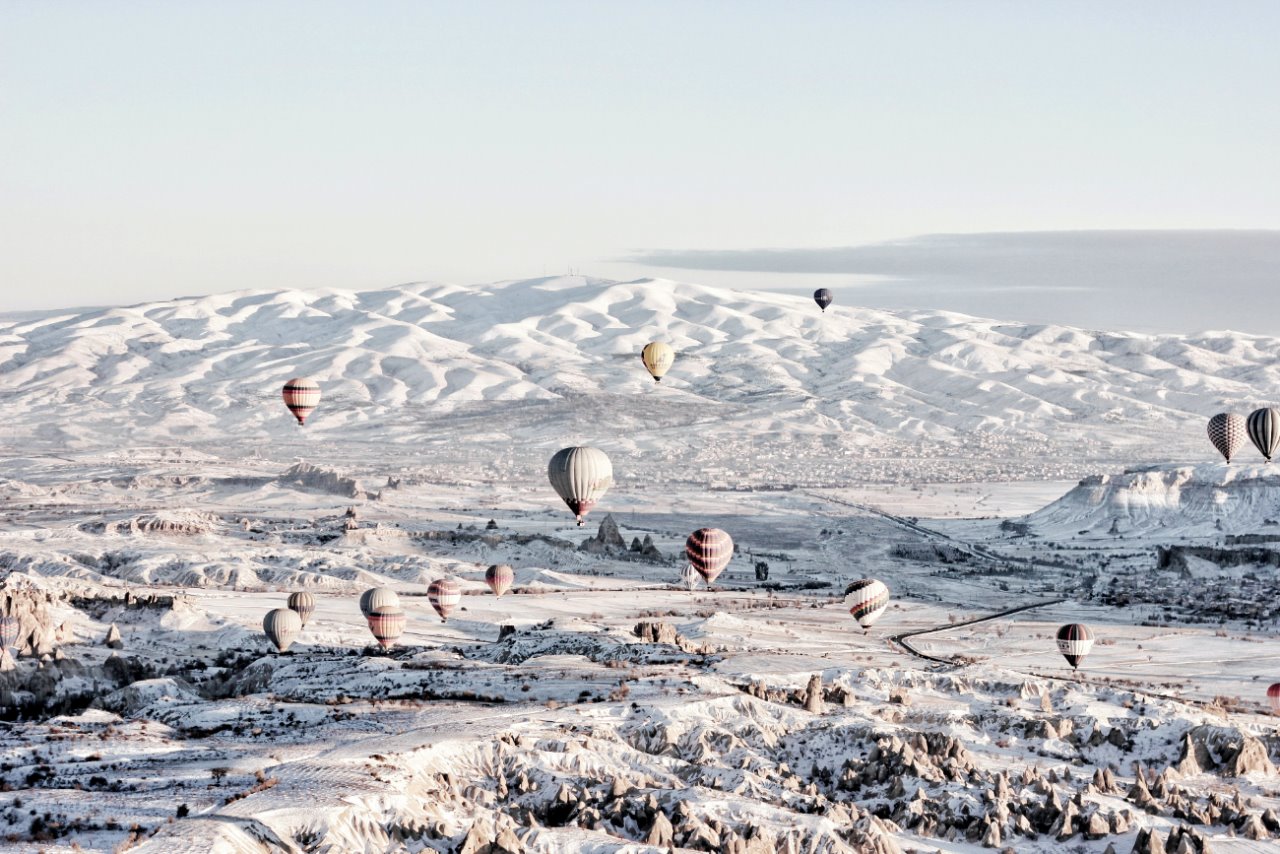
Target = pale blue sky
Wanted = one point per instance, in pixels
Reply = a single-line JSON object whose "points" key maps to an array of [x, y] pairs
{"points": [[156, 149]]}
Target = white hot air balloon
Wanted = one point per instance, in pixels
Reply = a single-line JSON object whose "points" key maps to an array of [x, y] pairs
{"points": [[282, 627], [581, 476], [378, 597]]}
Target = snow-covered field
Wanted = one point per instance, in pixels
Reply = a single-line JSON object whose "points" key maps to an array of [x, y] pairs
{"points": [[151, 480]]}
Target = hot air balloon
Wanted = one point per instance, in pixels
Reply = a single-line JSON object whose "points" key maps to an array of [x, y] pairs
{"points": [[581, 476], [304, 603], [1227, 431], [499, 577], [866, 600], [444, 596], [1273, 695], [709, 550], [387, 624], [301, 395], [1264, 430], [378, 597], [8, 632], [823, 298], [657, 358], [689, 576], [282, 627], [1074, 642]]}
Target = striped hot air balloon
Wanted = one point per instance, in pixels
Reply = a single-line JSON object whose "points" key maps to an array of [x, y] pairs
{"points": [[823, 298], [303, 603], [378, 597], [444, 595], [499, 577], [1263, 426], [301, 395], [709, 550], [1273, 696], [866, 600], [657, 358], [581, 476], [8, 632], [689, 576], [1074, 642], [387, 624], [1227, 431], [282, 627]]}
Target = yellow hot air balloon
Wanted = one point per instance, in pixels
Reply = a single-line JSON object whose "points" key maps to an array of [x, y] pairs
{"points": [[657, 358]]}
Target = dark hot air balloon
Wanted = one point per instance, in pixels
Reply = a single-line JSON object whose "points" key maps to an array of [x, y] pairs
{"points": [[709, 550], [1264, 430], [823, 298], [1227, 431], [1074, 642]]}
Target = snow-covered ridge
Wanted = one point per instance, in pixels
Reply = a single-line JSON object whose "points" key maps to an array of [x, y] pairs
{"points": [[211, 367], [1169, 502]]}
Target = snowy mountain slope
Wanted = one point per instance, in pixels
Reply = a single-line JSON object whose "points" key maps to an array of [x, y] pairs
{"points": [[552, 359], [1169, 502]]}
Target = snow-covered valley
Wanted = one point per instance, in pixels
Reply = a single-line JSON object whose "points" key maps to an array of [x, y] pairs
{"points": [[152, 481]]}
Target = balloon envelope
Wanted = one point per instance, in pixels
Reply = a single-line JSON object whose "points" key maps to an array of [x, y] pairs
{"points": [[657, 358], [499, 577], [303, 603], [581, 476], [8, 632], [709, 550], [1226, 432], [1264, 430], [282, 627], [301, 395], [1273, 695], [866, 600], [689, 576], [1074, 642], [823, 298], [444, 595], [378, 597], [387, 624]]}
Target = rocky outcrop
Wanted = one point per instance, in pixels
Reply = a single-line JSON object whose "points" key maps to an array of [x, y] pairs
{"points": [[306, 476], [1224, 750], [651, 631], [607, 539], [26, 601]]}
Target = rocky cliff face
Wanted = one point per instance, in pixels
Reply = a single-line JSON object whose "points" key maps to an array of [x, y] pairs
{"points": [[1168, 501], [304, 475], [24, 599]]}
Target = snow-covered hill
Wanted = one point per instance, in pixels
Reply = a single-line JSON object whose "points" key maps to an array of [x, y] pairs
{"points": [[546, 360], [1168, 502]]}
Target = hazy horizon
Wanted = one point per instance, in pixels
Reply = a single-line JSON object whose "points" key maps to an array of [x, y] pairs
{"points": [[156, 150]]}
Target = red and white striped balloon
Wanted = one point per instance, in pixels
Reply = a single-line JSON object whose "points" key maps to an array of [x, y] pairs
{"points": [[499, 577], [709, 550], [301, 395], [444, 595], [387, 625]]}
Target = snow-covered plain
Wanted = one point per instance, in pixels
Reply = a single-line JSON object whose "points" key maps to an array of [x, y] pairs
{"points": [[151, 479]]}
